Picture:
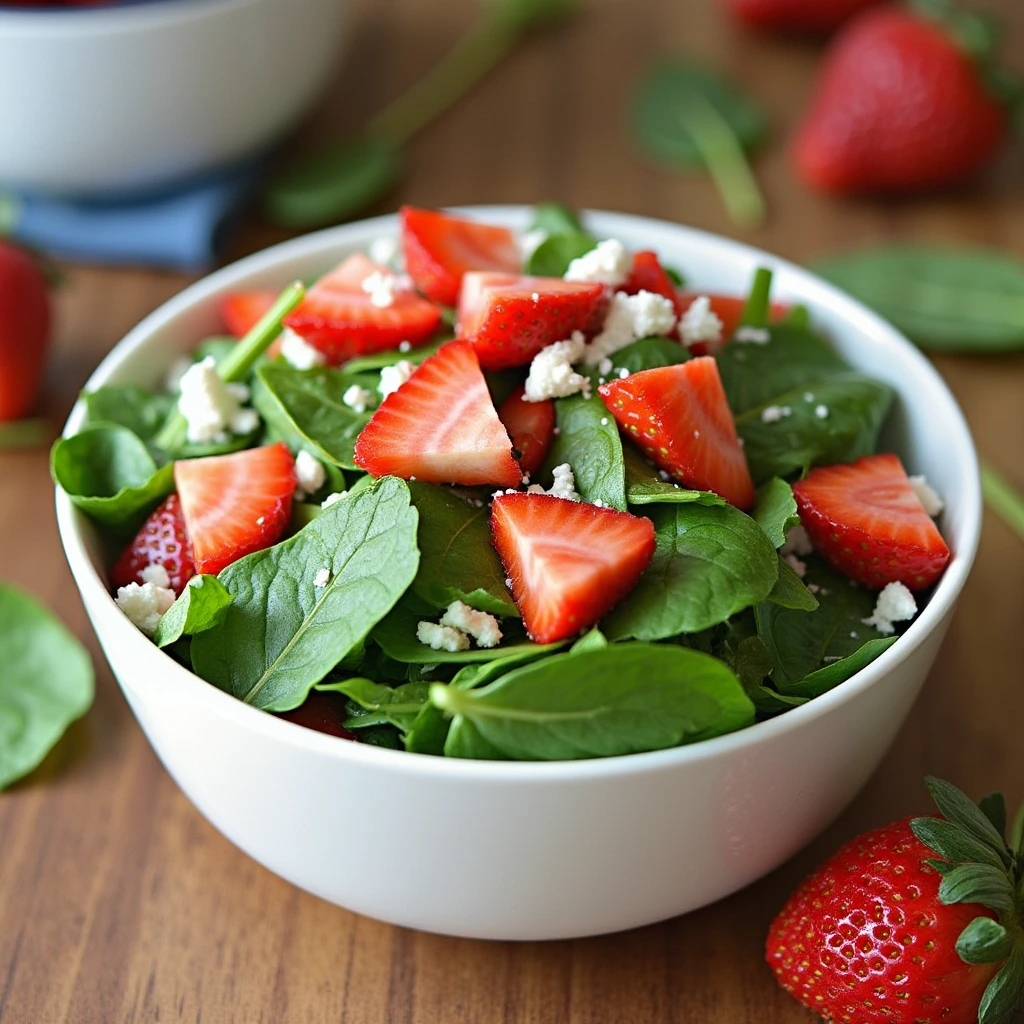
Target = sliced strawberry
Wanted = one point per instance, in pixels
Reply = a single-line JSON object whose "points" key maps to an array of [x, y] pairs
{"points": [[569, 562], [163, 540], [440, 248], [241, 311], [323, 712], [440, 426], [648, 275], [339, 318], [235, 504], [531, 425], [728, 309], [509, 318], [679, 416], [865, 519]]}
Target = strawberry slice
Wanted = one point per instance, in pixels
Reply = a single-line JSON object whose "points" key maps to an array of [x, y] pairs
{"points": [[531, 425], [648, 275], [440, 426], [322, 712], [509, 318], [235, 504], [339, 318], [163, 540], [241, 311], [865, 519], [728, 309], [679, 416], [569, 563], [440, 248]]}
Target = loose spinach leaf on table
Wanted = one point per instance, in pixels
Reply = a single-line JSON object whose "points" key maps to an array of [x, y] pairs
{"points": [[775, 510], [45, 684], [709, 563], [201, 606], [622, 699], [282, 634]]}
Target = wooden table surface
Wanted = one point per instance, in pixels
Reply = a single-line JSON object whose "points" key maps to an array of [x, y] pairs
{"points": [[119, 902]]}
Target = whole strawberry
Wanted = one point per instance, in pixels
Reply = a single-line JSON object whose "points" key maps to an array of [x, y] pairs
{"points": [[918, 921], [806, 17], [24, 331], [900, 105]]}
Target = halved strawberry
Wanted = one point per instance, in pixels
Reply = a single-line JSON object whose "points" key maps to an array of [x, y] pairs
{"points": [[241, 311], [509, 318], [569, 562], [339, 318], [440, 248], [531, 425], [440, 426], [728, 309], [163, 540], [235, 504], [322, 712], [865, 519], [679, 416], [648, 275]]}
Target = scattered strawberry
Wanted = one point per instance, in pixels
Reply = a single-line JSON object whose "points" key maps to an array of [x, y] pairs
{"points": [[235, 504], [241, 311], [898, 106], [531, 425], [509, 318], [865, 519], [339, 318], [163, 540], [886, 932], [322, 712], [24, 331], [569, 562], [805, 17], [648, 275], [439, 249], [440, 426], [679, 416]]}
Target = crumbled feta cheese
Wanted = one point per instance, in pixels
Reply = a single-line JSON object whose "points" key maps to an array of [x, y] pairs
{"points": [[212, 409], [797, 542], [821, 411], [157, 575], [895, 604], [393, 377], [604, 421], [385, 250], [798, 566], [180, 366], [564, 485], [332, 498], [808, 397], [529, 242], [309, 475], [481, 626], [405, 346], [297, 352], [774, 413], [357, 398], [441, 638], [508, 490], [551, 374], [700, 323], [322, 578], [623, 373], [927, 495], [381, 288], [535, 297], [144, 605], [608, 263], [752, 336], [604, 367], [629, 318]]}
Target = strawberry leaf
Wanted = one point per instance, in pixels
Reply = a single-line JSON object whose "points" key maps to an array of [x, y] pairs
{"points": [[958, 808], [1004, 990], [993, 806], [978, 883], [954, 843], [984, 941], [1017, 832]]}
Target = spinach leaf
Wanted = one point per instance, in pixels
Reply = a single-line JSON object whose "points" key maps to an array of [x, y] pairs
{"points": [[790, 591], [282, 633], [709, 563], [592, 640], [552, 257], [457, 558], [623, 699], [775, 510], [556, 219], [814, 684], [645, 354], [374, 362], [136, 408], [951, 300], [394, 705], [645, 487], [46, 682], [108, 472], [200, 606]]}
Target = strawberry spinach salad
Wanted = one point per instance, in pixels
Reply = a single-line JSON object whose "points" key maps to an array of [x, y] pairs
{"points": [[487, 495]]}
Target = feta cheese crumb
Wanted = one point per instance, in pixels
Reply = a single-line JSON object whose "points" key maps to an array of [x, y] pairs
{"points": [[609, 262], [797, 543], [551, 374], [631, 317], [604, 421], [332, 498], [564, 485], [808, 397], [700, 323], [481, 626], [895, 604], [405, 346], [441, 638], [752, 336], [385, 250], [212, 409], [774, 413], [144, 605], [297, 352], [927, 495], [798, 566], [309, 475], [821, 411], [322, 578], [157, 575], [393, 377], [357, 398], [381, 288], [604, 367]]}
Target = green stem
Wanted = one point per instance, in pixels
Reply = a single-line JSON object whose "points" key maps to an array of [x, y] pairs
{"points": [[19, 434], [755, 312], [723, 155], [1003, 498]]}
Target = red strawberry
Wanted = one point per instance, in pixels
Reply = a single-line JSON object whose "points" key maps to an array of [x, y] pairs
{"points": [[24, 331], [679, 416], [510, 318], [865, 519], [322, 712], [531, 425], [806, 17], [163, 540], [440, 248], [440, 426], [871, 938], [241, 311], [648, 275], [898, 106], [339, 317], [569, 562], [235, 504]]}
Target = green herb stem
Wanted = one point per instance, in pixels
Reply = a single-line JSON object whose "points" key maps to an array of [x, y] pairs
{"points": [[1003, 498], [755, 312]]}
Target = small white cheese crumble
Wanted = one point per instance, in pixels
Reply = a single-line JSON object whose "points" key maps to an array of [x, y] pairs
{"points": [[508, 490], [535, 296], [752, 336], [927, 495], [309, 475], [212, 409], [393, 377], [797, 542], [564, 485], [297, 352], [322, 578], [808, 397], [357, 398], [441, 638], [895, 604], [405, 346], [604, 421], [774, 413], [798, 566], [481, 626], [381, 289], [623, 373], [700, 323], [551, 374], [604, 367], [157, 575], [332, 498], [385, 250], [144, 605], [608, 263], [821, 411]]}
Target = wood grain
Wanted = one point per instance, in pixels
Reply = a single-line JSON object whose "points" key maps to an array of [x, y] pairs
{"points": [[119, 903]]}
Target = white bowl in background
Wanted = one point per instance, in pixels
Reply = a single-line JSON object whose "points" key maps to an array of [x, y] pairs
{"points": [[513, 850], [107, 100]]}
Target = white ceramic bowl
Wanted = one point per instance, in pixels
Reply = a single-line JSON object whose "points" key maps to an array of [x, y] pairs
{"points": [[127, 98], [509, 850]]}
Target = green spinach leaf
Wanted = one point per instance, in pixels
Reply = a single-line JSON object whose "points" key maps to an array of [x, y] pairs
{"points": [[136, 408], [820, 681], [200, 606], [374, 362], [775, 510], [556, 219], [552, 257], [394, 705], [790, 591], [645, 487]]}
